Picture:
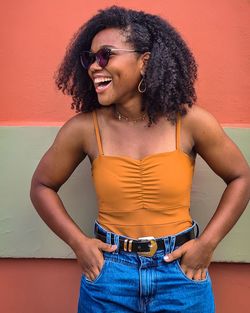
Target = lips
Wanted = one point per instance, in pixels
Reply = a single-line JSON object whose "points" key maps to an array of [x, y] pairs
{"points": [[102, 83]]}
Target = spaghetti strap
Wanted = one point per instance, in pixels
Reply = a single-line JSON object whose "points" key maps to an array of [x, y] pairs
{"points": [[178, 131], [97, 132]]}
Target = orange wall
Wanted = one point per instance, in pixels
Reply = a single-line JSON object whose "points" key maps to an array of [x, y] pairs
{"points": [[34, 35], [52, 286]]}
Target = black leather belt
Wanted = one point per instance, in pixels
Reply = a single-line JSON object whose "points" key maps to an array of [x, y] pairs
{"points": [[147, 246]]}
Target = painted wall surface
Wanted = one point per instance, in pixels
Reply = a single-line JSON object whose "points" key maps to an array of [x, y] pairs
{"points": [[52, 286], [23, 233], [34, 35]]}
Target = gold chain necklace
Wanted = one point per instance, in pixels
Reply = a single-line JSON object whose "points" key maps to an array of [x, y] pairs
{"points": [[120, 117]]}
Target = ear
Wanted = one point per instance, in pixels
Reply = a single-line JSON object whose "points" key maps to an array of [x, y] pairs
{"points": [[144, 61]]}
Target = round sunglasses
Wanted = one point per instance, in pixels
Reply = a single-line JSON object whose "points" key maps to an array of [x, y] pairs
{"points": [[102, 57]]}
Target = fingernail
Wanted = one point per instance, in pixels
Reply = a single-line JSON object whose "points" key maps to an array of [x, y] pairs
{"points": [[166, 258]]}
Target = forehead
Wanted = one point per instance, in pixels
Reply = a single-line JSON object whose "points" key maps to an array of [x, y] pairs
{"points": [[109, 37]]}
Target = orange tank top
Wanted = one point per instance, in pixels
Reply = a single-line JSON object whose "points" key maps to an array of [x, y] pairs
{"points": [[146, 197]]}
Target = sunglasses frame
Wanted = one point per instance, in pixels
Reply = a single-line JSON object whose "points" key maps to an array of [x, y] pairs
{"points": [[95, 57]]}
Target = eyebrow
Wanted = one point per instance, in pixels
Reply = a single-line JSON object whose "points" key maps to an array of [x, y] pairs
{"points": [[108, 46], [105, 46]]}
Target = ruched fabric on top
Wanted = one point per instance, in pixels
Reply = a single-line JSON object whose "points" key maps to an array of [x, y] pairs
{"points": [[146, 197]]}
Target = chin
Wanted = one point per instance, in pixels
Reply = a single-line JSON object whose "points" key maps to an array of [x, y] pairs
{"points": [[105, 102]]}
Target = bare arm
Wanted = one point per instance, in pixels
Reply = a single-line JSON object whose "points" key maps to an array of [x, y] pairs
{"points": [[54, 169], [56, 166], [226, 160]]}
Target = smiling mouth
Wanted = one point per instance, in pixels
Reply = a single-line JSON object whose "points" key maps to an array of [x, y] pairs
{"points": [[103, 85]]}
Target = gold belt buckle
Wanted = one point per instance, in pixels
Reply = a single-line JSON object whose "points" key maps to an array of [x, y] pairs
{"points": [[153, 246]]}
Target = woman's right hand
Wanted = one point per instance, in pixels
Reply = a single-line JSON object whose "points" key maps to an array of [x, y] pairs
{"points": [[90, 256]]}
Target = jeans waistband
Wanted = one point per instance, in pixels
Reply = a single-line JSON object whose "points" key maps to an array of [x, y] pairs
{"points": [[169, 240]]}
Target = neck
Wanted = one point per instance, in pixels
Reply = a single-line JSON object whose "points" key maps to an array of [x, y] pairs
{"points": [[130, 110]]}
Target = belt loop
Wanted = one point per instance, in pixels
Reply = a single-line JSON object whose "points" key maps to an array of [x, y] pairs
{"points": [[167, 244], [108, 238], [116, 242], [172, 243]]}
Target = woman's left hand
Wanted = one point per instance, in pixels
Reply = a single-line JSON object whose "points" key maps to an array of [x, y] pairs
{"points": [[195, 258]]}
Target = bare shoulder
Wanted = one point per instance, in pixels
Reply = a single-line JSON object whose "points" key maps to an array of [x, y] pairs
{"points": [[198, 117], [76, 131], [213, 144], [79, 122], [202, 125], [68, 149]]}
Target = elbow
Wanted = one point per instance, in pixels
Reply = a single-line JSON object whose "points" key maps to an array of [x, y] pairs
{"points": [[34, 188], [37, 187], [242, 175], [248, 182], [243, 182]]}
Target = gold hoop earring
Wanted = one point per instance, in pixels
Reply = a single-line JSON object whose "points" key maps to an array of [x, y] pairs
{"points": [[142, 86]]}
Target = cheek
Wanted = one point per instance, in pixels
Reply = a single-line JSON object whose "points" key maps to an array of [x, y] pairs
{"points": [[129, 78], [125, 72]]}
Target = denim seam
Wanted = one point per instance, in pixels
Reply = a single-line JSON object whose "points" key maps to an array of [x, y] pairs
{"points": [[114, 260], [95, 281]]}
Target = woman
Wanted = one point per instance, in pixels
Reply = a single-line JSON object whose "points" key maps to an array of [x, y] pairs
{"points": [[131, 77]]}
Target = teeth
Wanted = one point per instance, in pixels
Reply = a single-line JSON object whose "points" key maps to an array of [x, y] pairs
{"points": [[102, 79]]}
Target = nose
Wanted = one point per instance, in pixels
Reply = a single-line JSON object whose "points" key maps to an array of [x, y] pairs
{"points": [[94, 67]]}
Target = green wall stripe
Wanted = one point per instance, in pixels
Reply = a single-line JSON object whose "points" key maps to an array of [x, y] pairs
{"points": [[241, 136], [23, 233]]}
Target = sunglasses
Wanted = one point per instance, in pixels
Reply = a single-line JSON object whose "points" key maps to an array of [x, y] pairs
{"points": [[102, 57]]}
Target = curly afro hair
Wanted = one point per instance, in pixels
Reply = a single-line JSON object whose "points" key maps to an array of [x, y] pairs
{"points": [[171, 70]]}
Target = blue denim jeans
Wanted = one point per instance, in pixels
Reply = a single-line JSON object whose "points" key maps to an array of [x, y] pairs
{"points": [[129, 283]]}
